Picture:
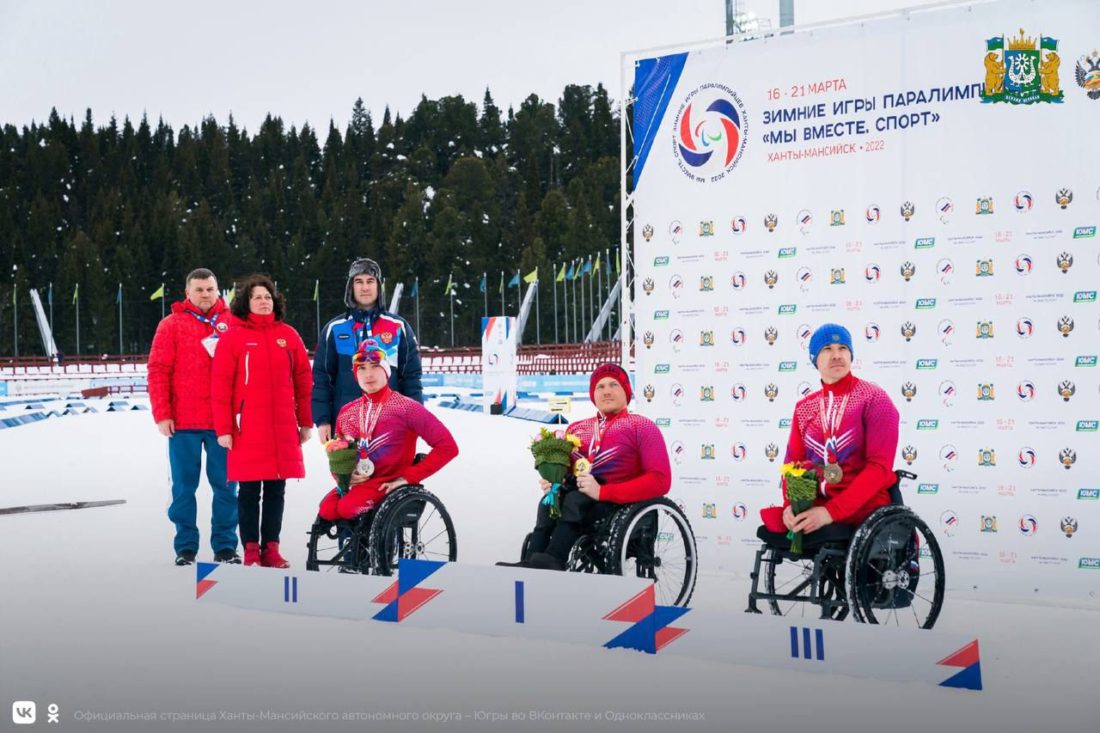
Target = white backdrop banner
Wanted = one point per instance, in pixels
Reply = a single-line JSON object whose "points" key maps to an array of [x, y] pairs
{"points": [[931, 181], [498, 362]]}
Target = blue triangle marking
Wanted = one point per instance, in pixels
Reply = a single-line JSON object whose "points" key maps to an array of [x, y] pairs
{"points": [[202, 569], [389, 613], [967, 679], [411, 572], [665, 615]]}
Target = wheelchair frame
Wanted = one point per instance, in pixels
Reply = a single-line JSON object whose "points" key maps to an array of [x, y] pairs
{"points": [[831, 578], [609, 544], [376, 540]]}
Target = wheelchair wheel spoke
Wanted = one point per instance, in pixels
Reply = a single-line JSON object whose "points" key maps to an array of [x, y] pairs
{"points": [[425, 520], [428, 542]]}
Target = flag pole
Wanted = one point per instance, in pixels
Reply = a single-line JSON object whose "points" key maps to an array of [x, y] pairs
{"points": [[76, 297], [538, 327], [452, 293], [502, 311], [317, 307], [554, 284], [417, 286], [15, 313], [49, 297], [485, 291], [119, 299]]}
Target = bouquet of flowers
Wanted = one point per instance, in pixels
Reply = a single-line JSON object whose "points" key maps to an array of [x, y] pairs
{"points": [[343, 455], [552, 452], [800, 486]]}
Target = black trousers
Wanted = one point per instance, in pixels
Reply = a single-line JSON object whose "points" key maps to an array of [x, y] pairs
{"points": [[258, 525], [557, 536]]}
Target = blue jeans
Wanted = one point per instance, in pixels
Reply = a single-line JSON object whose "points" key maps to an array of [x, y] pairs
{"points": [[185, 458]]}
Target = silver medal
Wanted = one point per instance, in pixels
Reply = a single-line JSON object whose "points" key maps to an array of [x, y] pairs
{"points": [[365, 467]]}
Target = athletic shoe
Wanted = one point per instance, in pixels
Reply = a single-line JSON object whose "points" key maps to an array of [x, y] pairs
{"points": [[229, 557], [545, 561], [270, 557], [186, 557], [251, 553]]}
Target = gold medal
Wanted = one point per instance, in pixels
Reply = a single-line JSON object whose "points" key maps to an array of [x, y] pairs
{"points": [[834, 474], [582, 467]]}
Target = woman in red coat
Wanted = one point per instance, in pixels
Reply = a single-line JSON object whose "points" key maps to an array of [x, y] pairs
{"points": [[260, 393]]}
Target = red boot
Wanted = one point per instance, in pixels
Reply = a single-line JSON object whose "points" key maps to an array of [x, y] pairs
{"points": [[270, 557], [251, 553]]}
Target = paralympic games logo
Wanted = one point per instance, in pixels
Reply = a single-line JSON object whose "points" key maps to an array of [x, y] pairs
{"points": [[1029, 525], [872, 273], [1025, 390], [711, 129], [1026, 457], [1024, 264]]}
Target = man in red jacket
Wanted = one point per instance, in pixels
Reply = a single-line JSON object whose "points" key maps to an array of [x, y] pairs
{"points": [[179, 392]]}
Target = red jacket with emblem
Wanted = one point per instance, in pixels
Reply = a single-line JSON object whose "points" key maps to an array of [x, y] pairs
{"points": [[179, 365], [261, 388]]}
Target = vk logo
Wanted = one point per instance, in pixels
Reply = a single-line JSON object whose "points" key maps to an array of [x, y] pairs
{"points": [[812, 647], [24, 712]]}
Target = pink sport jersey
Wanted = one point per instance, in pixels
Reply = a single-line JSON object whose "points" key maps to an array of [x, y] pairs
{"points": [[864, 422], [392, 445], [628, 454]]}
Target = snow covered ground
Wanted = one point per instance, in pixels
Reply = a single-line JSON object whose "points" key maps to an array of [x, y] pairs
{"points": [[96, 619]]}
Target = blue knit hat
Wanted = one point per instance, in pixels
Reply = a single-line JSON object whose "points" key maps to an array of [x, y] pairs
{"points": [[829, 333]]}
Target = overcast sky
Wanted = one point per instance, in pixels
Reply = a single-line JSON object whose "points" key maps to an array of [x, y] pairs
{"points": [[309, 61]]}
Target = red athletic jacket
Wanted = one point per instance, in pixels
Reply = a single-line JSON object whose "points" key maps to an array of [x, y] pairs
{"points": [[261, 389], [179, 365]]}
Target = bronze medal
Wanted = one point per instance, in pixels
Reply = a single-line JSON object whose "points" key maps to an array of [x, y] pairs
{"points": [[834, 474]]}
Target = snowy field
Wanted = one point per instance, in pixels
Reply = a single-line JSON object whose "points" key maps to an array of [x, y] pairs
{"points": [[95, 618]]}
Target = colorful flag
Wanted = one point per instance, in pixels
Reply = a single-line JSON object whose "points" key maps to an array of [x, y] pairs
{"points": [[450, 283], [561, 275], [531, 276], [483, 283], [158, 293], [118, 295], [316, 289], [596, 267], [416, 288], [514, 282], [587, 267], [569, 275], [76, 293]]}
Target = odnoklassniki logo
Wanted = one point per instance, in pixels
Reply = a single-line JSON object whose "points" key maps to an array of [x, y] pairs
{"points": [[710, 132]]}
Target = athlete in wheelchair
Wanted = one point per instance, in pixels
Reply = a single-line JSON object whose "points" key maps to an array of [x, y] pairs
{"points": [[864, 552], [385, 514], [614, 517]]}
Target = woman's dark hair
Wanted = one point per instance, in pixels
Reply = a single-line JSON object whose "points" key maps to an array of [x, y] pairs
{"points": [[239, 306]]}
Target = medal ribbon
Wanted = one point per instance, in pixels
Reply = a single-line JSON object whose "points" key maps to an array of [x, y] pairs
{"points": [[368, 421], [212, 322], [602, 423], [831, 420]]}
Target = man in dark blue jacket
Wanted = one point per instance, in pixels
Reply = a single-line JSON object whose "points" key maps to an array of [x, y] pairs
{"points": [[334, 383]]}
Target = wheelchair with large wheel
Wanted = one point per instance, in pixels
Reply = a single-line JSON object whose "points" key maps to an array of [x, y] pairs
{"points": [[409, 523], [648, 539], [888, 570]]}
